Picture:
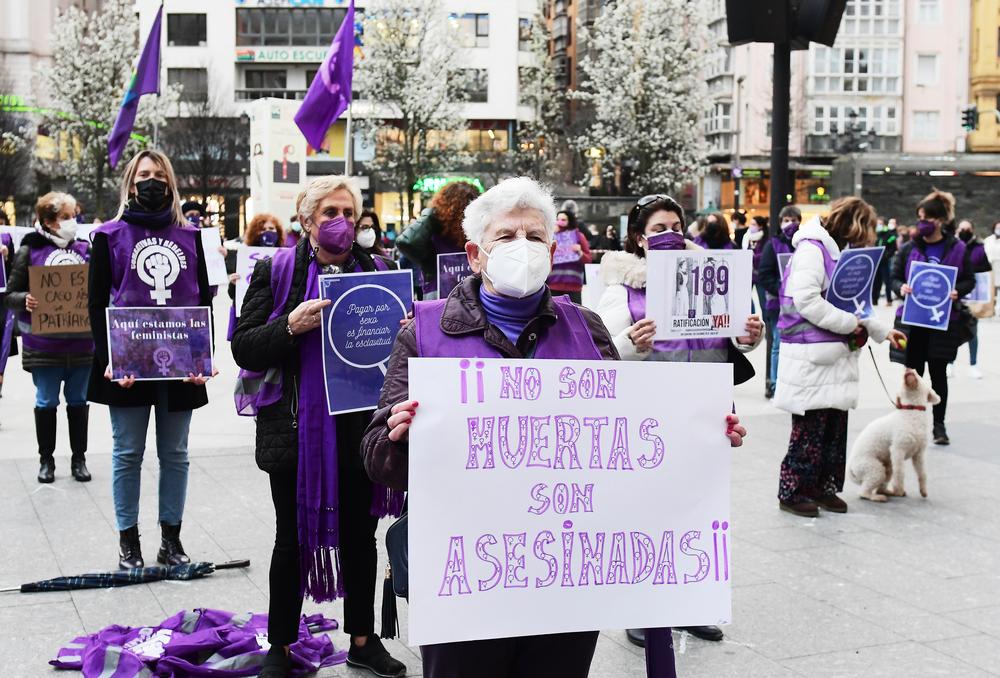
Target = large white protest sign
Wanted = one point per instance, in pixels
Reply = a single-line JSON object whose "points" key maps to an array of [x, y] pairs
{"points": [[698, 294], [16, 234], [246, 259], [552, 496]]}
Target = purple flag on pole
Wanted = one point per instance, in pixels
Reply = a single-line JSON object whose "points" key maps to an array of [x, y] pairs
{"points": [[145, 80], [329, 94]]}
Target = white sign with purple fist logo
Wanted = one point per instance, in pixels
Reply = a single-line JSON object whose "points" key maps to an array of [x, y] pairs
{"points": [[551, 496]]}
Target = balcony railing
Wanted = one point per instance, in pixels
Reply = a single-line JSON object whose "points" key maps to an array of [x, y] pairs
{"points": [[825, 144], [251, 94]]}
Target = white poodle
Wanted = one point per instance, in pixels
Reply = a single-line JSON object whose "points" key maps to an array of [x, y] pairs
{"points": [[877, 458]]}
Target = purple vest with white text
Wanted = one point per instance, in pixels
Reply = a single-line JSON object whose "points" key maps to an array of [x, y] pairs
{"points": [[794, 328], [153, 267], [780, 246], [711, 350], [78, 252], [568, 339]]}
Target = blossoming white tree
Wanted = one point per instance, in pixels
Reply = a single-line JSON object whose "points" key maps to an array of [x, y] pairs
{"points": [[92, 62], [411, 78], [642, 78]]}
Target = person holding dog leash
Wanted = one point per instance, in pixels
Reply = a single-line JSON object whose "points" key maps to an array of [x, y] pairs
{"points": [[935, 348], [818, 367]]}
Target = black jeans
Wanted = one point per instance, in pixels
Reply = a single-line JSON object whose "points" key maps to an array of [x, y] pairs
{"points": [[566, 655], [358, 555], [939, 374]]}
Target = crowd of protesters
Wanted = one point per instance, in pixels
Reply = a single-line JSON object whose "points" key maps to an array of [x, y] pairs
{"points": [[516, 303]]}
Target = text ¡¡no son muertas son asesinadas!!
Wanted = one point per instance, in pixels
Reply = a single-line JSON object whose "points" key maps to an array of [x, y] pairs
{"points": [[616, 557]]}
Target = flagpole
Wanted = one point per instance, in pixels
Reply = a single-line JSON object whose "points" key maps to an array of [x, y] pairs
{"points": [[350, 140], [159, 74]]}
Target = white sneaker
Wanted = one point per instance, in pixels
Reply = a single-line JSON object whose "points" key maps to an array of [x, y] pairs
{"points": [[950, 370], [975, 372]]}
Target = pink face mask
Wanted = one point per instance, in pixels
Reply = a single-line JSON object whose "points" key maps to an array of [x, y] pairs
{"points": [[335, 235]]}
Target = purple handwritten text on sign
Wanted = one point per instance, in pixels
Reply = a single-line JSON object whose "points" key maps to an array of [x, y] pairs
{"points": [[359, 330], [160, 343], [565, 242], [929, 305], [452, 270], [851, 284]]}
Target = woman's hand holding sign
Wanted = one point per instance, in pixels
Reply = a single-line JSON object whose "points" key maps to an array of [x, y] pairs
{"points": [[30, 303], [127, 382], [400, 419], [641, 334], [734, 431], [307, 315], [754, 327]]}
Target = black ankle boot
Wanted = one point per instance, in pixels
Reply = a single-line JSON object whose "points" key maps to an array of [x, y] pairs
{"points": [[171, 550], [77, 417], [129, 549], [45, 432]]}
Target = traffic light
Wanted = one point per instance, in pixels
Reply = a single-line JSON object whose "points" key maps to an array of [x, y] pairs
{"points": [[970, 118]]}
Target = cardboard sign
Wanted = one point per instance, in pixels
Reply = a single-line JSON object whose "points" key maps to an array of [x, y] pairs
{"points": [[698, 294], [549, 496], [158, 344], [565, 242], [246, 259], [452, 269], [851, 283], [594, 289], [359, 329], [215, 261], [61, 292], [929, 305]]}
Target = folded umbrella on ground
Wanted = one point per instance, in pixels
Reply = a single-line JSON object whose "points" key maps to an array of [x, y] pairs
{"points": [[139, 575]]}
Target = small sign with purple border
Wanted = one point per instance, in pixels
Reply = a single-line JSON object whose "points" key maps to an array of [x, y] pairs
{"points": [[452, 270], [160, 344], [565, 241]]}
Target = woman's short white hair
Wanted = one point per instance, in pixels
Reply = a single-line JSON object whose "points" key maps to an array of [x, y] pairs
{"points": [[320, 187], [505, 197]]}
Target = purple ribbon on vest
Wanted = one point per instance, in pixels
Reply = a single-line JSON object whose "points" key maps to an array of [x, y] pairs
{"points": [[317, 494]]}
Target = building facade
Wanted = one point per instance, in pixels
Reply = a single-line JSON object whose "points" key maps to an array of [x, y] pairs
{"points": [[227, 53], [984, 80]]}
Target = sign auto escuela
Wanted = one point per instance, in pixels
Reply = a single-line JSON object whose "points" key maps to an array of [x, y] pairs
{"points": [[282, 54]]}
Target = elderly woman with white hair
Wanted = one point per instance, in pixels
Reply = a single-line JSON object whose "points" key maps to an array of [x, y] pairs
{"points": [[326, 508], [504, 310]]}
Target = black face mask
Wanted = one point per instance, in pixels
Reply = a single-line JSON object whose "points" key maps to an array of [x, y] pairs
{"points": [[966, 236], [152, 195]]}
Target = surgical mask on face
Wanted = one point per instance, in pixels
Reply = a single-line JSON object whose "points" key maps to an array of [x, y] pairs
{"points": [[926, 228], [67, 229], [518, 268], [667, 240], [296, 226], [268, 239], [790, 229], [366, 238], [194, 220], [335, 235]]}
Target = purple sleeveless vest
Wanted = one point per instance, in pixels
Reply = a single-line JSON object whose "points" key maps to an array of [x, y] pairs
{"points": [[781, 246], [794, 328], [701, 242], [153, 267], [77, 252], [954, 257], [714, 350], [568, 339]]}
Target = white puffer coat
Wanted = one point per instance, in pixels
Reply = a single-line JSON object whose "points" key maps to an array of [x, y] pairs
{"points": [[824, 374], [619, 269]]}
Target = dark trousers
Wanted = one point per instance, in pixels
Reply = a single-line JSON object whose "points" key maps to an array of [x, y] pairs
{"points": [[916, 352], [566, 655], [358, 555], [817, 454], [883, 278], [660, 653]]}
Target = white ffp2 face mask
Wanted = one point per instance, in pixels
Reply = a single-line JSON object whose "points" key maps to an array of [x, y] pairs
{"points": [[67, 229], [366, 238], [518, 268]]}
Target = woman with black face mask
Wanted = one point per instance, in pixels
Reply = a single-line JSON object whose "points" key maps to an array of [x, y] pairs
{"points": [[934, 348], [148, 255], [980, 263]]}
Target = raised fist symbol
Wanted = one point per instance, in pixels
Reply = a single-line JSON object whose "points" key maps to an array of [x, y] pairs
{"points": [[158, 266]]}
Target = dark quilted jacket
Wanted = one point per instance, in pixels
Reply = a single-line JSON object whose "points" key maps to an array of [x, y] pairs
{"points": [[258, 345]]}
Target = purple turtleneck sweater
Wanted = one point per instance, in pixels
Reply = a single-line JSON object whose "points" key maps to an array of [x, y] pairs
{"points": [[509, 314]]}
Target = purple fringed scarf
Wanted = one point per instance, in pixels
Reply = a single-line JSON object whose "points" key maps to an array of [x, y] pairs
{"points": [[317, 499]]}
